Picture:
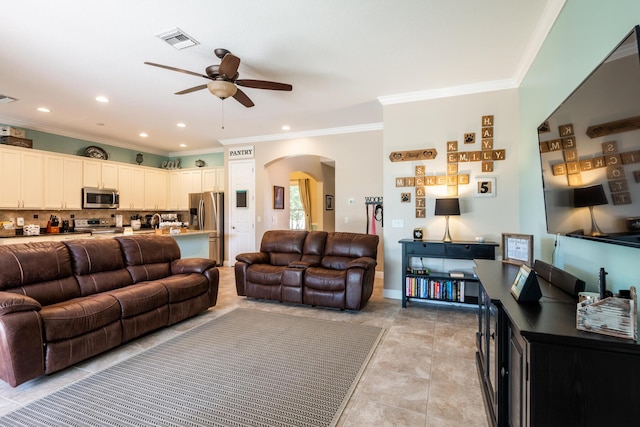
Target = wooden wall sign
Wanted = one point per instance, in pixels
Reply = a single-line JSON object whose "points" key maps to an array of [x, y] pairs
{"points": [[409, 156]]}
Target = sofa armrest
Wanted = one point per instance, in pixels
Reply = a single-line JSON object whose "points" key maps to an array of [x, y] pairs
{"points": [[362, 262], [302, 264], [253, 258], [192, 265], [11, 302]]}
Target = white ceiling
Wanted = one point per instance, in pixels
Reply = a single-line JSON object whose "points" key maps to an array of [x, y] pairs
{"points": [[344, 59]]}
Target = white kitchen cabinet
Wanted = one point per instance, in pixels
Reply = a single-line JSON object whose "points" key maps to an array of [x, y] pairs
{"points": [[181, 183], [131, 187], [100, 174], [155, 189], [213, 179], [22, 178], [62, 182]]}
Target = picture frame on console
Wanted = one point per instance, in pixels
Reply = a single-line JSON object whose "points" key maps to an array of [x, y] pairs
{"points": [[517, 249]]}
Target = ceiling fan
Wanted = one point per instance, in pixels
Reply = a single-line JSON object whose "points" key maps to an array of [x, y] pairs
{"points": [[224, 79]]}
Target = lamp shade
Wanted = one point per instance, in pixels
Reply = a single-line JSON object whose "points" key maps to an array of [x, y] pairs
{"points": [[222, 88], [447, 207], [589, 196]]}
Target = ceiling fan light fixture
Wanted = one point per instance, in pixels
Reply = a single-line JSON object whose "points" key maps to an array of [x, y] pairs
{"points": [[222, 88]]}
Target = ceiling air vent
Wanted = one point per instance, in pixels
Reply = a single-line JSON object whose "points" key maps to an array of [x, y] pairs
{"points": [[4, 99], [177, 38]]}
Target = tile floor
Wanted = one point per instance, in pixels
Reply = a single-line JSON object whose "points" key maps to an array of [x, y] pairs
{"points": [[422, 374]]}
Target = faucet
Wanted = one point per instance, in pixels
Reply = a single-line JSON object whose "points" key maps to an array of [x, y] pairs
{"points": [[156, 219]]}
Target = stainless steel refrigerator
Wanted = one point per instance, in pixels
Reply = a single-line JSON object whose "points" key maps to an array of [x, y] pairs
{"points": [[206, 212]]}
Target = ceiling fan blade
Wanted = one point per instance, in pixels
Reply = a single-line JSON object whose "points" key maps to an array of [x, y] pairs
{"points": [[191, 89], [261, 84], [243, 99], [178, 70], [229, 65]]}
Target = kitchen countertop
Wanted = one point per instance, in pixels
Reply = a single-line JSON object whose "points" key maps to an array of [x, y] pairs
{"points": [[88, 233]]}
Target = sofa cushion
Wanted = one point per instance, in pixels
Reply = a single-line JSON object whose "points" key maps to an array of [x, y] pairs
{"points": [[325, 279], [98, 265], [140, 298], [341, 248], [265, 274], [283, 246], [78, 316], [151, 249], [40, 270], [184, 286]]}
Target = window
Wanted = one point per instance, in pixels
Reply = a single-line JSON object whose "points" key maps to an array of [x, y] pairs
{"points": [[296, 212]]}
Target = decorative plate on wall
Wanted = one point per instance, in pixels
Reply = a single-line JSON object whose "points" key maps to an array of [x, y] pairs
{"points": [[96, 153]]}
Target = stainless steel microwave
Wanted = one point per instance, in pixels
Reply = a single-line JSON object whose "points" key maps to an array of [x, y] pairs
{"points": [[100, 198]]}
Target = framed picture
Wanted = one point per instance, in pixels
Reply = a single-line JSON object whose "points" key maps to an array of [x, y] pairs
{"points": [[485, 187], [328, 202], [278, 197], [517, 248]]}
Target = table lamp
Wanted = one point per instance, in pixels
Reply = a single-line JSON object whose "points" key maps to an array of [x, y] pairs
{"points": [[590, 197], [446, 208]]}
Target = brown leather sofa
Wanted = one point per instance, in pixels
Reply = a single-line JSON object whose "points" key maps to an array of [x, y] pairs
{"points": [[63, 302], [316, 268]]}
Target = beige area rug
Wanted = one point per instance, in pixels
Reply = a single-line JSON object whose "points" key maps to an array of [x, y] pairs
{"points": [[245, 368]]}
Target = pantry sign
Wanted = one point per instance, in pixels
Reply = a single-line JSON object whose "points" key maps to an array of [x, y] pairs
{"points": [[237, 153]]}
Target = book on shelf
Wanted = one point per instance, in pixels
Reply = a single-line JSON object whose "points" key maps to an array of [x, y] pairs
{"points": [[442, 290], [418, 271]]}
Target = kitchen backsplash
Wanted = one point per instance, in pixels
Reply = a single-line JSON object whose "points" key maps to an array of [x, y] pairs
{"points": [[43, 216]]}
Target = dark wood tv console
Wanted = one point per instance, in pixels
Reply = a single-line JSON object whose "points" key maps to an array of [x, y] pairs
{"points": [[537, 369]]}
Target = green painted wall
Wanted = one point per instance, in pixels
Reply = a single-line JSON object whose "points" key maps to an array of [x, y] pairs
{"points": [[582, 36], [66, 145]]}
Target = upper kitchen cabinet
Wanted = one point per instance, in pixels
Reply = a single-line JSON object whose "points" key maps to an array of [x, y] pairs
{"points": [[131, 187], [62, 182], [100, 174], [155, 189], [213, 179], [181, 183], [22, 178]]}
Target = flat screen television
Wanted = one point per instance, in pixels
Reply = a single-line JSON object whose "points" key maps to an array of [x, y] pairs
{"points": [[590, 153]]}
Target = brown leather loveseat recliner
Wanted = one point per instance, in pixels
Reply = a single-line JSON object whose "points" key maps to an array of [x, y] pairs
{"points": [[330, 269], [64, 302]]}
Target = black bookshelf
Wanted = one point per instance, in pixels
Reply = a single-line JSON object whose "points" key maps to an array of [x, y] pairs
{"points": [[421, 284]]}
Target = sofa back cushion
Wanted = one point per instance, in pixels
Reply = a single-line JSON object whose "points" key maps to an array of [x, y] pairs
{"points": [[40, 270], [314, 245], [283, 246], [98, 265], [341, 248], [149, 257]]}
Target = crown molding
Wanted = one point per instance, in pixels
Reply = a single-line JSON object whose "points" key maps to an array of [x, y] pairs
{"points": [[448, 92], [196, 152], [303, 134]]}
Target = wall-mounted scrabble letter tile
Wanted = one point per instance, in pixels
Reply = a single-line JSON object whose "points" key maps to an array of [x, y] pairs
{"points": [[565, 130], [469, 138]]}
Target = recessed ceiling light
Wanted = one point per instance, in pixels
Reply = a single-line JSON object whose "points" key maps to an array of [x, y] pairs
{"points": [[102, 99], [286, 127], [143, 134], [183, 145], [44, 110], [181, 125]]}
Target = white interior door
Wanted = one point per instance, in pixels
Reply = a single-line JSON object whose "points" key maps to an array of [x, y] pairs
{"points": [[242, 230]]}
